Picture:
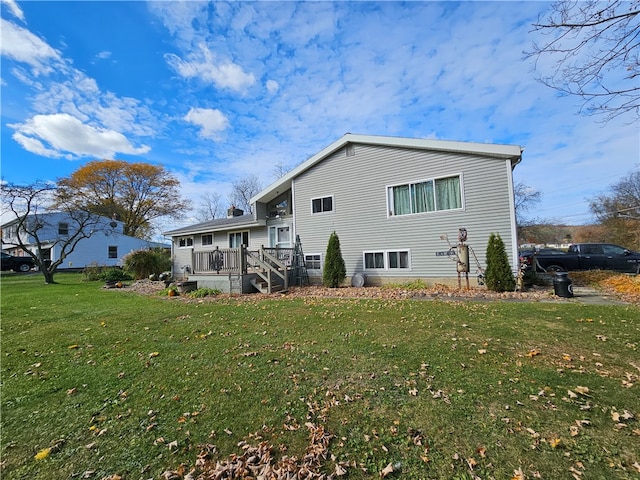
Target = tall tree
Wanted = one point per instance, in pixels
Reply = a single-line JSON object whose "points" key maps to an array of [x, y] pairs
{"points": [[498, 275], [619, 211], [334, 271], [34, 224], [243, 189], [525, 199], [594, 46], [135, 193], [209, 208]]}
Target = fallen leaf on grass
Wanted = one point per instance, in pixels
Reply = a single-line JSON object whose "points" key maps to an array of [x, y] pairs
{"points": [[340, 471], [482, 351], [582, 390], [386, 471], [532, 353], [154, 354], [518, 475], [42, 454]]}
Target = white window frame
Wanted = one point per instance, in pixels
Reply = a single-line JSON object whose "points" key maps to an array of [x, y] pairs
{"points": [[324, 212], [386, 260], [242, 235], [319, 261], [188, 242], [390, 206], [273, 236]]}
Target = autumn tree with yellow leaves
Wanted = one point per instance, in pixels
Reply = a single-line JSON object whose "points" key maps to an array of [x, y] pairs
{"points": [[134, 193]]}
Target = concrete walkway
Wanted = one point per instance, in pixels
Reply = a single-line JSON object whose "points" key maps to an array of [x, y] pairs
{"points": [[591, 296]]}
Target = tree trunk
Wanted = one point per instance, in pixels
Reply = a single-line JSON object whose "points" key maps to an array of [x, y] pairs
{"points": [[48, 275]]}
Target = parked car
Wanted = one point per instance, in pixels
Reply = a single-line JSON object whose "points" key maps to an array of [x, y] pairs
{"points": [[17, 264], [583, 256]]}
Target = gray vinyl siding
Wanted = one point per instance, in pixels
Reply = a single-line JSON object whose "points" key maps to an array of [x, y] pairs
{"points": [[359, 184]]}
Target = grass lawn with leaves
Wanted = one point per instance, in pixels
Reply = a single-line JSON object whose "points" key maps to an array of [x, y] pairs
{"points": [[111, 384]]}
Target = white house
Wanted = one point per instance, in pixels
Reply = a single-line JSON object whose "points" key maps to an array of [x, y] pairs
{"points": [[397, 205], [106, 245]]}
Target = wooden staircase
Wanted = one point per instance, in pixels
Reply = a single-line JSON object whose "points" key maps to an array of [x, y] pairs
{"points": [[272, 274]]}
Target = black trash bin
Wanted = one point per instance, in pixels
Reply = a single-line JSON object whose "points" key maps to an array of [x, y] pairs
{"points": [[562, 285]]}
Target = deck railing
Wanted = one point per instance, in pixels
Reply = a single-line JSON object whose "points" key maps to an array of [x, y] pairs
{"points": [[240, 260], [220, 261]]}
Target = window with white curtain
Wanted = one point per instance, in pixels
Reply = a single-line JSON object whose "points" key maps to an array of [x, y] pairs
{"points": [[426, 196]]}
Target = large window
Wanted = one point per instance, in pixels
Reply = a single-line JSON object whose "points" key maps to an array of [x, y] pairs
{"points": [[427, 196], [313, 261], [236, 239], [322, 205], [387, 260]]}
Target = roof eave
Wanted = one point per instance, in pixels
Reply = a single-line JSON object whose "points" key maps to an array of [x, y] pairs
{"points": [[500, 151]]}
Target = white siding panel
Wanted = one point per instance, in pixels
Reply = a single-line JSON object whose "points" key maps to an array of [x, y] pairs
{"points": [[358, 185]]}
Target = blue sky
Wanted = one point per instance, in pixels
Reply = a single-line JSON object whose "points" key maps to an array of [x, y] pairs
{"points": [[218, 91]]}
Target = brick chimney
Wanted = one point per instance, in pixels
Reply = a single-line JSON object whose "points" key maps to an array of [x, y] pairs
{"points": [[234, 212]]}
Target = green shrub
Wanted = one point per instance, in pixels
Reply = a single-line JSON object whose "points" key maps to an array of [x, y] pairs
{"points": [[113, 274], [204, 292], [92, 272], [143, 263], [334, 271], [498, 276]]}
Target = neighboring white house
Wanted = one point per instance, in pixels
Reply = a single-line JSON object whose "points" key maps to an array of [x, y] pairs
{"points": [[106, 246], [397, 205]]}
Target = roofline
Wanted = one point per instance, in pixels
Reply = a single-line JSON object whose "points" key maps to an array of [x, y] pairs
{"points": [[204, 228], [500, 151]]}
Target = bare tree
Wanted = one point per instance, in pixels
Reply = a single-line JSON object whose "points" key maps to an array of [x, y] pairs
{"points": [[32, 227], [595, 50], [243, 189], [210, 207], [619, 211], [280, 169], [525, 198]]}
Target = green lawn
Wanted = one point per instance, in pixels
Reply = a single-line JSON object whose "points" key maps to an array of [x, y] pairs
{"points": [[114, 383]]}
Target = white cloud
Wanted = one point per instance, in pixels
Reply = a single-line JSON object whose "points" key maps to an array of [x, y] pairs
{"points": [[61, 134], [272, 86], [15, 10], [210, 121], [22, 45], [104, 55], [203, 64]]}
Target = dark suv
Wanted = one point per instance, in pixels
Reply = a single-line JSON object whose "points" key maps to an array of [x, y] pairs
{"points": [[17, 264]]}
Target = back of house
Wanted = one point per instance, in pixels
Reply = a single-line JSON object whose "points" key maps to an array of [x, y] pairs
{"points": [[396, 204]]}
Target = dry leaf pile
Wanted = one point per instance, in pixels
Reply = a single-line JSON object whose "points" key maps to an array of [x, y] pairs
{"points": [[257, 462]]}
